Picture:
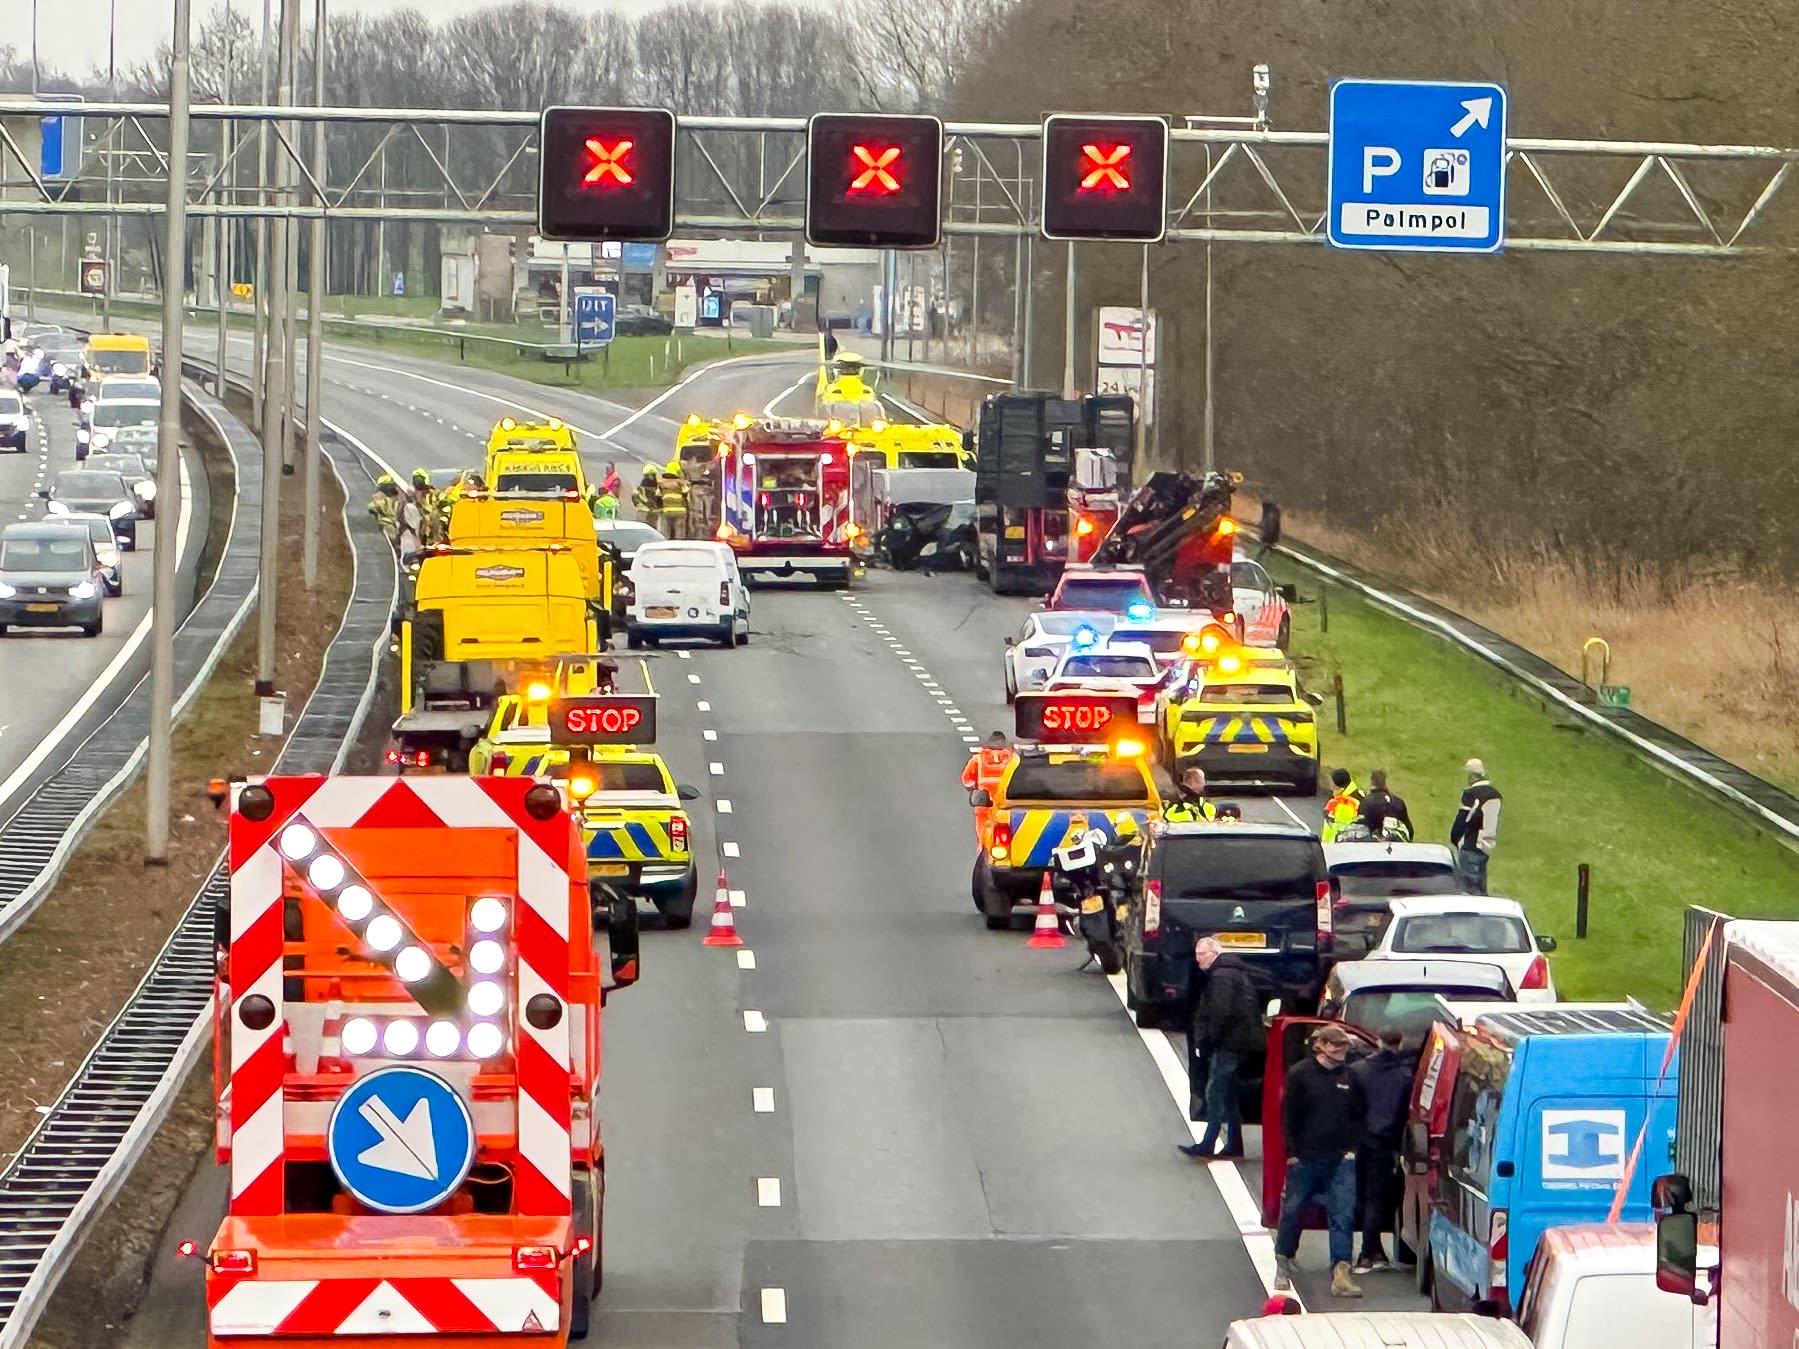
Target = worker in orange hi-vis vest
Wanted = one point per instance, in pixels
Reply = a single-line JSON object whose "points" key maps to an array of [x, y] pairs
{"points": [[986, 766]]}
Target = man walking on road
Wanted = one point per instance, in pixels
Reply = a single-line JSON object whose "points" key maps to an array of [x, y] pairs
{"points": [[1323, 1113], [1224, 1031], [1475, 831], [1386, 1078]]}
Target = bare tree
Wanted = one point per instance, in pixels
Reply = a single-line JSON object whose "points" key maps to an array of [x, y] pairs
{"points": [[917, 51]]}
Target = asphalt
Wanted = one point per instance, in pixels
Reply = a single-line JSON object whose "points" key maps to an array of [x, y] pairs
{"points": [[927, 1134]]}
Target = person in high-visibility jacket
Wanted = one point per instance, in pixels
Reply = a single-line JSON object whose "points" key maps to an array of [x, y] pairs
{"points": [[1344, 805], [985, 767], [646, 497], [385, 504], [1191, 806], [674, 501]]}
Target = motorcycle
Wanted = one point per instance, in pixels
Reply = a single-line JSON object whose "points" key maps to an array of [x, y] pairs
{"points": [[1092, 886]]}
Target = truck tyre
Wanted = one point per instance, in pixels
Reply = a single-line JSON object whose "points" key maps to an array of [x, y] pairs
{"points": [[677, 909], [584, 1203], [995, 908], [1285, 634]]}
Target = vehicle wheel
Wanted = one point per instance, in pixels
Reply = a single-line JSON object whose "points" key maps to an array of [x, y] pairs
{"points": [[728, 638], [744, 638], [116, 590], [1150, 1016], [93, 629], [677, 909], [1011, 686], [1285, 634], [2, 629], [586, 1215], [1308, 785], [1427, 1277], [633, 638], [978, 885]]}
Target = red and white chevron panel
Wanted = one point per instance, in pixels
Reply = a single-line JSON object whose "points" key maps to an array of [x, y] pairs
{"points": [[373, 1306], [540, 933]]}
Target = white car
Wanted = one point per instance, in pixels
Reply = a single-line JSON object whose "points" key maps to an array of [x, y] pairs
{"points": [[686, 588], [1471, 927], [124, 425], [15, 422], [1267, 621], [1172, 634], [1033, 652], [1116, 667]]}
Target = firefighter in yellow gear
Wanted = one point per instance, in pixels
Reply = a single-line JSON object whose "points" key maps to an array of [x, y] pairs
{"points": [[646, 498], [385, 504], [1344, 806], [674, 492], [433, 514]]}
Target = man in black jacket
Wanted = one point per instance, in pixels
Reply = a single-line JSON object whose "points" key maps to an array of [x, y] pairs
{"points": [[1382, 810], [1323, 1114], [1386, 1078], [1224, 1034]]}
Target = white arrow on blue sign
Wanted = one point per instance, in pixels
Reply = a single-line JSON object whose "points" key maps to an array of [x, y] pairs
{"points": [[595, 317], [1417, 166], [401, 1140]]}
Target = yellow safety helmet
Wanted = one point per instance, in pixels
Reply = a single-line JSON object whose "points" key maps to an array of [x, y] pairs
{"points": [[674, 466]]}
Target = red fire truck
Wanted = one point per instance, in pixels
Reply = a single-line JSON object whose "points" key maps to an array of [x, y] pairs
{"points": [[784, 498], [406, 1059]]}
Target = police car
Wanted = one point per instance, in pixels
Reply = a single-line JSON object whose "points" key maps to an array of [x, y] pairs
{"points": [[1033, 651], [1114, 667], [1260, 604]]}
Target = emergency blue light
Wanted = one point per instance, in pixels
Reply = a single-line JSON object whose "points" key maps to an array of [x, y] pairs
{"points": [[1084, 636], [1140, 611]]}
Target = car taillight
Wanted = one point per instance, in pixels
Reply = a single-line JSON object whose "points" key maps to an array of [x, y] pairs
{"points": [[1497, 1247], [1537, 976], [1152, 908], [724, 594], [677, 833], [535, 1257], [500, 762], [1001, 843], [1325, 919], [234, 1262]]}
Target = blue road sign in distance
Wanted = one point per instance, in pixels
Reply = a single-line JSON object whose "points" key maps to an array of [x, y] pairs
{"points": [[401, 1140], [1417, 166], [596, 313]]}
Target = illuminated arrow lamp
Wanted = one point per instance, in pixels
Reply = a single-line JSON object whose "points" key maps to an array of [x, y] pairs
{"points": [[463, 1018]]}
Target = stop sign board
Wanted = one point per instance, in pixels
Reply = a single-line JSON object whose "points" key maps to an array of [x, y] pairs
{"points": [[1074, 718], [604, 719]]}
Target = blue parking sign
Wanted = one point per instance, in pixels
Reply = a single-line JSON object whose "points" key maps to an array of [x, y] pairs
{"points": [[401, 1140], [1417, 166]]}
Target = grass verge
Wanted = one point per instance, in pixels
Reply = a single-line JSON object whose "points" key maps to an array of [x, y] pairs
{"points": [[65, 973], [1420, 708]]}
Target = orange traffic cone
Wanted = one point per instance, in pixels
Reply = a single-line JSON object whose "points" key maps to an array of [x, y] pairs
{"points": [[1047, 934], [724, 926]]}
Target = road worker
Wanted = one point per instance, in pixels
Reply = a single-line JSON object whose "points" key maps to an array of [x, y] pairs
{"points": [[1344, 805], [986, 766]]}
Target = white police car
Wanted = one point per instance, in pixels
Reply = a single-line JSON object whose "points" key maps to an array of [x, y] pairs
{"points": [[1032, 652]]}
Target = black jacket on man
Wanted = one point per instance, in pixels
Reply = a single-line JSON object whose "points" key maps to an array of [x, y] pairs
{"points": [[1386, 1081], [1379, 806], [1323, 1111], [1227, 1014]]}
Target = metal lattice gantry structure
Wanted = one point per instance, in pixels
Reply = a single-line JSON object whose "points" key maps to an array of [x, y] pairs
{"points": [[1228, 184]]}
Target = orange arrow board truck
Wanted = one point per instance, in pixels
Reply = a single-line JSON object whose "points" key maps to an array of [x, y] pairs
{"points": [[406, 1058]]}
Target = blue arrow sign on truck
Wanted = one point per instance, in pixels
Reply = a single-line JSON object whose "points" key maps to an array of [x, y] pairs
{"points": [[1417, 166]]}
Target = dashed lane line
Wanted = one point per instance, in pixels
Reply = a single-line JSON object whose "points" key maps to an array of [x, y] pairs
{"points": [[762, 1100]]}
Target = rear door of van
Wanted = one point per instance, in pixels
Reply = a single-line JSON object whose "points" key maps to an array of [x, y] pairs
{"points": [[681, 586]]}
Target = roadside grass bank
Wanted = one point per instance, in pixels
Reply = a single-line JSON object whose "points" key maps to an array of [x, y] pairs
{"points": [[66, 972], [1420, 708]]}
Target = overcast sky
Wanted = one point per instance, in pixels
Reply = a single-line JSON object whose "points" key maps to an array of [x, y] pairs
{"points": [[72, 33]]}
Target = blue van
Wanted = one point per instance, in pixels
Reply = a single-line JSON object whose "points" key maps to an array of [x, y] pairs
{"points": [[1545, 1109]]}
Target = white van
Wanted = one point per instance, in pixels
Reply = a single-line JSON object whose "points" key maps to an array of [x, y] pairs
{"points": [[1375, 1330], [1595, 1284], [686, 588]]}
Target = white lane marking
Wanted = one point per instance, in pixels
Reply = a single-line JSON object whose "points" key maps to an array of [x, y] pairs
{"points": [[971, 739], [746, 958], [716, 769], [687, 379], [1257, 1240], [768, 1191], [1290, 813], [737, 899], [768, 408], [709, 734], [724, 805], [901, 651], [703, 705], [683, 655], [754, 1022], [762, 1100], [730, 850], [774, 1306]]}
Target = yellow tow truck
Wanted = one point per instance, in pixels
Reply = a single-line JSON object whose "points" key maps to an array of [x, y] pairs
{"points": [[1052, 794], [534, 458], [482, 520]]}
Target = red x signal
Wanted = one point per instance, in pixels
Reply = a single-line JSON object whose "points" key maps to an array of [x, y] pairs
{"points": [[872, 167], [610, 163], [1105, 168]]}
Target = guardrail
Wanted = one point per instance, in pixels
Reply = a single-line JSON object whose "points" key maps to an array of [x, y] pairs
{"points": [[83, 1149]]}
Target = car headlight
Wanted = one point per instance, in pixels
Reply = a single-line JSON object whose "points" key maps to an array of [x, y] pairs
{"points": [[100, 440], [58, 370], [83, 590], [147, 490], [6, 591], [121, 510], [57, 508]]}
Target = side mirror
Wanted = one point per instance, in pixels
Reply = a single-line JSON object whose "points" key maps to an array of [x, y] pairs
{"points": [[44, 493], [622, 938], [1315, 699], [1008, 642], [980, 796], [1545, 944], [1677, 1253], [1290, 593], [1670, 1194], [686, 793]]}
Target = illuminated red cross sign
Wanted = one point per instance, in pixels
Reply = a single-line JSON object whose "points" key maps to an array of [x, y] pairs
{"points": [[1105, 168], [610, 163], [872, 166]]}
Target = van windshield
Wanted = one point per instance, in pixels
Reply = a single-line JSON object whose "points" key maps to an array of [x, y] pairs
{"points": [[1240, 694], [1245, 868], [678, 559], [1109, 594], [126, 362], [67, 553], [1093, 780], [537, 484]]}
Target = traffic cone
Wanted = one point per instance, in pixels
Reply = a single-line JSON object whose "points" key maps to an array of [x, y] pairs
{"points": [[1047, 935], [724, 926]]}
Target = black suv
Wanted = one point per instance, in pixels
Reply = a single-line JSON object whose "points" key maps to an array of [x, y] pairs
{"points": [[1261, 889]]}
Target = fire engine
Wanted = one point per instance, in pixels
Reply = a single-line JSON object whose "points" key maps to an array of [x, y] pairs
{"points": [[406, 1059], [784, 498]]}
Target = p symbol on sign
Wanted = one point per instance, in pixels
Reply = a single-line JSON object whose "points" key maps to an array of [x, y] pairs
{"points": [[1378, 161]]}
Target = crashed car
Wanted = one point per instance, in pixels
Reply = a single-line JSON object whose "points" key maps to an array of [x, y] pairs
{"points": [[927, 536]]}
